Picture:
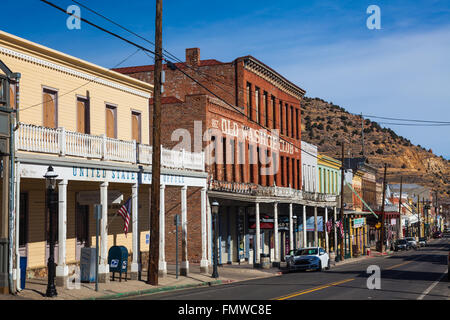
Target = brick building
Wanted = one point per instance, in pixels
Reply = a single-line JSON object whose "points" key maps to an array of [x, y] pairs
{"points": [[252, 142]]}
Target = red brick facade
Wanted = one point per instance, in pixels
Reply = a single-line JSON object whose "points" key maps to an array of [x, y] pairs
{"points": [[263, 99], [259, 105]]}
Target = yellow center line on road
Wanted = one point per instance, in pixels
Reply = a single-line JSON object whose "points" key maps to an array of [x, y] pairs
{"points": [[312, 290], [398, 265], [402, 264]]}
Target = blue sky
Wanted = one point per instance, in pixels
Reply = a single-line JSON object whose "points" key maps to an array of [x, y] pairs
{"points": [[325, 47]]}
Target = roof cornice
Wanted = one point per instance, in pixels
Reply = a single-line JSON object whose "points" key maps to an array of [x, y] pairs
{"points": [[33, 52], [267, 73]]}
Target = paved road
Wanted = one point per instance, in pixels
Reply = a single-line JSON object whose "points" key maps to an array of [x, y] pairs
{"points": [[404, 275]]}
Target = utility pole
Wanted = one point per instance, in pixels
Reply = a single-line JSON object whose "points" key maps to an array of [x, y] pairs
{"points": [[362, 133], [436, 211], [342, 201], [156, 156], [423, 216], [418, 215], [382, 209], [400, 228]]}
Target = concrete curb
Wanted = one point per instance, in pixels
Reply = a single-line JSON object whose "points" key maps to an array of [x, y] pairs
{"points": [[175, 287], [159, 289]]}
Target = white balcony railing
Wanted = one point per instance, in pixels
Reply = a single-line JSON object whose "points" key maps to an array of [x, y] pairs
{"points": [[61, 142]]}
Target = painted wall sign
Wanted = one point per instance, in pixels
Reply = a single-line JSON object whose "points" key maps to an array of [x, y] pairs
{"points": [[105, 175], [261, 137]]}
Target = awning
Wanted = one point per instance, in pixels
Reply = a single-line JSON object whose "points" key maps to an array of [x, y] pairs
{"points": [[263, 225], [410, 219]]}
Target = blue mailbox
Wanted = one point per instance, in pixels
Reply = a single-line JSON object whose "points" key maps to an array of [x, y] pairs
{"points": [[118, 261]]}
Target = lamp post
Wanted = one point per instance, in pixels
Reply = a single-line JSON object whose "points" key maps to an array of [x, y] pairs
{"points": [[215, 211], [50, 181]]}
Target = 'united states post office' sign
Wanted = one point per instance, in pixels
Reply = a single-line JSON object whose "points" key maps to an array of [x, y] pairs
{"points": [[106, 175]]}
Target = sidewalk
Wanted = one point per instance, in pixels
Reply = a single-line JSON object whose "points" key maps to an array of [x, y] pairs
{"points": [[35, 288]]}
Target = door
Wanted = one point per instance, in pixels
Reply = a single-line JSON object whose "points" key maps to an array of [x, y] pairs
{"points": [[323, 257], [136, 126], [111, 122], [49, 104], [83, 121], [23, 225], [81, 228]]}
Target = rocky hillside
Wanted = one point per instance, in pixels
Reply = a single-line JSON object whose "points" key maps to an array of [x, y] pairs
{"points": [[326, 125]]}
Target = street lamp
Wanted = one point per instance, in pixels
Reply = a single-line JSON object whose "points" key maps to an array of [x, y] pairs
{"points": [[215, 211], [50, 183]]}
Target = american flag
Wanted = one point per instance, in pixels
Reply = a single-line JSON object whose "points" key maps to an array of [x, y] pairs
{"points": [[125, 212], [340, 226]]}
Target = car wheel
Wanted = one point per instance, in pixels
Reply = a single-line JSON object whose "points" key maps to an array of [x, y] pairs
{"points": [[320, 266], [328, 265]]}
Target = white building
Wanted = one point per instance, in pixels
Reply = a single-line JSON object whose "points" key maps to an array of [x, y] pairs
{"points": [[309, 167]]}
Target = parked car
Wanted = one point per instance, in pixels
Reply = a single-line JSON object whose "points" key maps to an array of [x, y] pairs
{"points": [[437, 235], [422, 242], [401, 244], [412, 242], [307, 259]]}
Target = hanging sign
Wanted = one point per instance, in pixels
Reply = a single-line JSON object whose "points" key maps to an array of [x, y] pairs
{"points": [[359, 222]]}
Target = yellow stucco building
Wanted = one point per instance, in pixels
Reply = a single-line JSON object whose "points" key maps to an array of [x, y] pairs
{"points": [[91, 125]]}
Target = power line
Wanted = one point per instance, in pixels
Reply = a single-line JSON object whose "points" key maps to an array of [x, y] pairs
{"points": [[172, 66], [100, 28], [415, 124], [408, 120], [83, 85]]}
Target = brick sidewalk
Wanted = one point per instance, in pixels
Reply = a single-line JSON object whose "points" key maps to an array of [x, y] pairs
{"points": [[35, 288]]}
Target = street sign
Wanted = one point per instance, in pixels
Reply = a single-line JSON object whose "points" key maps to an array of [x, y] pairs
{"points": [[176, 220], [359, 222]]}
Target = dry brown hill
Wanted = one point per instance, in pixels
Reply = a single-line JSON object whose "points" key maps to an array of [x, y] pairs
{"points": [[326, 125]]}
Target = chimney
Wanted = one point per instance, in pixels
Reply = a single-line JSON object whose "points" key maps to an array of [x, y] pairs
{"points": [[193, 56]]}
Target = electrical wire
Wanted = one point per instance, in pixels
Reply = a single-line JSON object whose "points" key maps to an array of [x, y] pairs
{"points": [[73, 90], [170, 65]]}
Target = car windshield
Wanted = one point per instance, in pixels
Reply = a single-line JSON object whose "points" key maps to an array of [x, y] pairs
{"points": [[422, 239], [410, 239], [402, 241], [306, 252]]}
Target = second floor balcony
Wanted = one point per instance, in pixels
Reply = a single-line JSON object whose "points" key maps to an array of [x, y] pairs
{"points": [[270, 191], [37, 139]]}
